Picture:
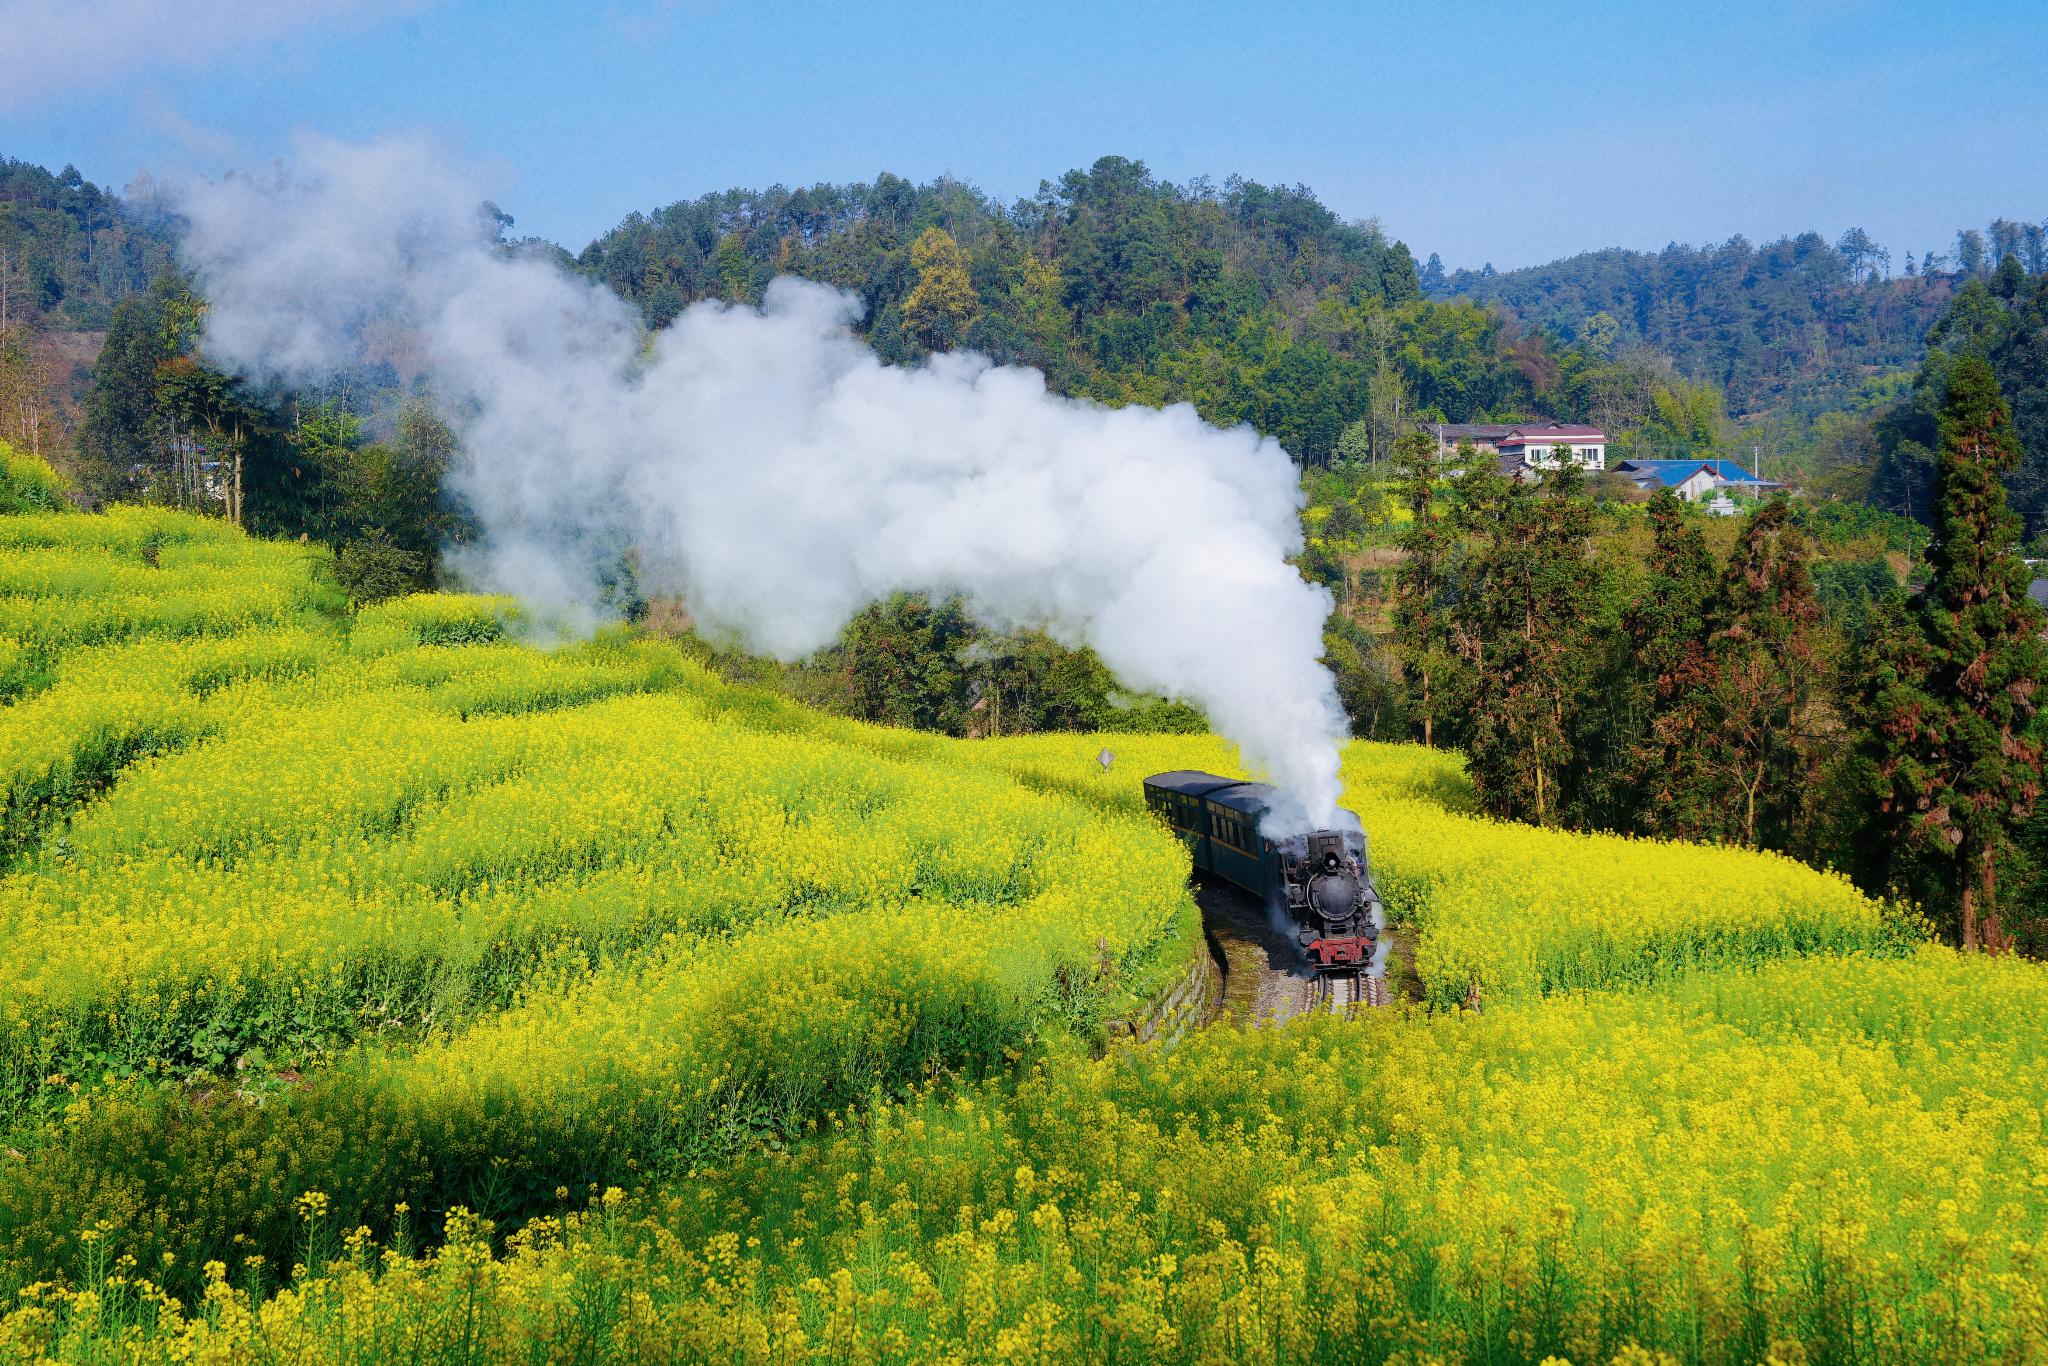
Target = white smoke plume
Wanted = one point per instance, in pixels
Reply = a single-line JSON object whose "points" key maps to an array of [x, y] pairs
{"points": [[770, 469]]}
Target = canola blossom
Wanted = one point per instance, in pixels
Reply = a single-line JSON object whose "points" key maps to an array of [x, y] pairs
{"points": [[332, 939], [1821, 1159], [1506, 910]]}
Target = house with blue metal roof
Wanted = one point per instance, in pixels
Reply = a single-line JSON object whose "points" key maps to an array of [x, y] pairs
{"points": [[1693, 480]]}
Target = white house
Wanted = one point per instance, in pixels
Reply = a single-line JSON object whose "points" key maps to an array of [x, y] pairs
{"points": [[1537, 445], [1524, 446]]}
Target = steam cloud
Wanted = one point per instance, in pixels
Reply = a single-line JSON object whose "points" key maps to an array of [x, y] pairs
{"points": [[770, 469]]}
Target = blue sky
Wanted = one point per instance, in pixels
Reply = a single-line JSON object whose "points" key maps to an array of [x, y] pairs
{"points": [[1507, 132]]}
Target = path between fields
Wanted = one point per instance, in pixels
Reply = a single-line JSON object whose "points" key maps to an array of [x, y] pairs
{"points": [[1265, 980]]}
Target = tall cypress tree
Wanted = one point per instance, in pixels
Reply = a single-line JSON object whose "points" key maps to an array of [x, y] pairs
{"points": [[1522, 623], [1422, 633], [1762, 749], [1733, 753], [1667, 631], [1950, 704]]}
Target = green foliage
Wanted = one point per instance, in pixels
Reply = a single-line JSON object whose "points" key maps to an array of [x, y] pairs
{"points": [[1368, 681], [73, 249], [910, 662], [1850, 589], [372, 568], [1438, 682], [1524, 621], [1796, 323], [2002, 320], [1636, 777], [903, 665], [1835, 524], [1254, 303], [942, 307], [1738, 742], [1952, 690]]}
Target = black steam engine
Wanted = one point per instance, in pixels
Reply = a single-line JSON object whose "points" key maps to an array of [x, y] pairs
{"points": [[1320, 883]]}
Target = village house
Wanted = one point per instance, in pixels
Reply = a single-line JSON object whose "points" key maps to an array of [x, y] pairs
{"points": [[1694, 480], [1525, 449]]}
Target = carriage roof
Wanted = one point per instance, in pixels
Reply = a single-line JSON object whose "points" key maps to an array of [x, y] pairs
{"points": [[1189, 782], [1253, 799]]}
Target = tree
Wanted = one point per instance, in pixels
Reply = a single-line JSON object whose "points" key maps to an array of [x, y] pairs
{"points": [[1758, 757], [1354, 446], [1599, 334], [1866, 259], [119, 431], [1422, 627], [1432, 279], [1523, 625], [28, 413], [371, 568], [1950, 705], [1971, 256], [943, 305], [902, 664], [1661, 712]]}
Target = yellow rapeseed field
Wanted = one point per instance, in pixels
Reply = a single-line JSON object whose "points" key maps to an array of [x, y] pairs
{"points": [[339, 948], [1511, 910]]}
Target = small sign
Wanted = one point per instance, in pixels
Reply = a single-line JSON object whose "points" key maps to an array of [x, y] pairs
{"points": [[1105, 759]]}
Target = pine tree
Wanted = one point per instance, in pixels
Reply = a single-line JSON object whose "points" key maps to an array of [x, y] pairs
{"points": [[1666, 629], [1430, 667], [1523, 627], [1950, 703]]}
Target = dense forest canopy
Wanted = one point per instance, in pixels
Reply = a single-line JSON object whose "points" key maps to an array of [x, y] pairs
{"points": [[70, 250], [1256, 303], [1121, 287], [2002, 320], [1790, 327]]}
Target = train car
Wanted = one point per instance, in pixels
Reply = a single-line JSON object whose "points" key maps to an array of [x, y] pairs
{"points": [[1319, 882]]}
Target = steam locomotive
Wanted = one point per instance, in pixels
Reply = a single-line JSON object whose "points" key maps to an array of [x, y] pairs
{"points": [[1319, 883]]}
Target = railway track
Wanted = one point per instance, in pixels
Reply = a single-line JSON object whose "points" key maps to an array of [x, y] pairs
{"points": [[1345, 993], [1265, 980]]}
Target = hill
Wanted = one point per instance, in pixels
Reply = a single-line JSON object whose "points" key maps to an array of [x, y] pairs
{"points": [[1786, 329], [70, 250], [1245, 299]]}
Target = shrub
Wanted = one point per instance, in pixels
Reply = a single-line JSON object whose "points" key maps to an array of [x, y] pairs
{"points": [[28, 484]]}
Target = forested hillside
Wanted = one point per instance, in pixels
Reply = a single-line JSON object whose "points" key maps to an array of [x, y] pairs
{"points": [[69, 250], [1788, 328], [2004, 320], [1256, 303]]}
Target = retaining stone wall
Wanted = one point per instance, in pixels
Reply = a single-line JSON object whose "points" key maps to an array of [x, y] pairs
{"points": [[1180, 1008]]}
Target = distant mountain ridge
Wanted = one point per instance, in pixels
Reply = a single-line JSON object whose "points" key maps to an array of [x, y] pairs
{"points": [[1786, 329]]}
